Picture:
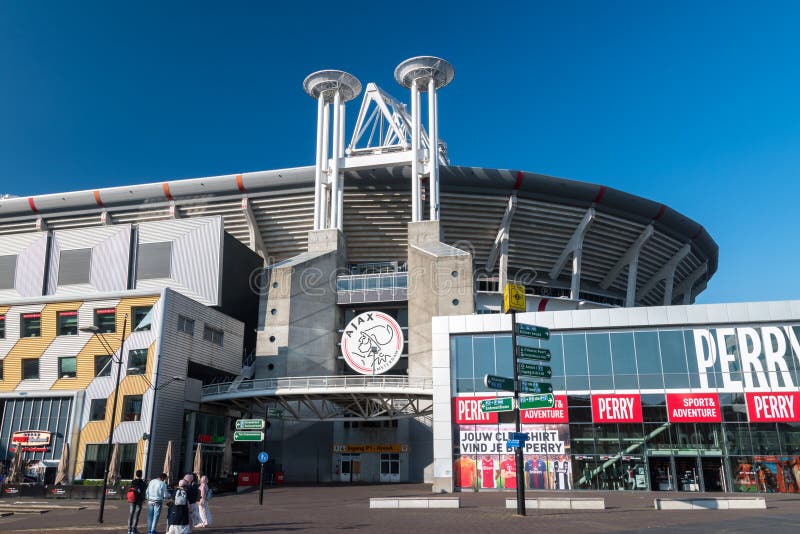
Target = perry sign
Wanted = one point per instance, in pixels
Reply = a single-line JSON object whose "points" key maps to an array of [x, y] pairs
{"points": [[616, 408], [372, 343]]}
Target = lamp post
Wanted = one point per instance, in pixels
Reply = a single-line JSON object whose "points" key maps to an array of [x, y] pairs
{"points": [[96, 331], [153, 416]]}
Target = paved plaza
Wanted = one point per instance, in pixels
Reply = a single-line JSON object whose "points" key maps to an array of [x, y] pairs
{"points": [[298, 509]]}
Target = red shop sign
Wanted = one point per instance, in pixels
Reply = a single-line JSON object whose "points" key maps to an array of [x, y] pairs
{"points": [[616, 408], [556, 414], [693, 408], [781, 407], [467, 411]]}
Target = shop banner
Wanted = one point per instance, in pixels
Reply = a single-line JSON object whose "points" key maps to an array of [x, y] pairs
{"points": [[556, 414], [781, 407], [467, 411], [616, 409], [693, 408]]}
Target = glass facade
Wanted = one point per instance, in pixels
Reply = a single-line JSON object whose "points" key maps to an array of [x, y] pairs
{"points": [[733, 426]]}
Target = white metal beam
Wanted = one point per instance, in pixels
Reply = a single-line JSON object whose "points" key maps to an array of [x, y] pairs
{"points": [[255, 240], [667, 272], [502, 232], [575, 247], [684, 289], [630, 256]]}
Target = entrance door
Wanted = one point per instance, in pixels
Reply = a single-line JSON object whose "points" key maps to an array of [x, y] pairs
{"points": [[390, 467], [713, 473], [687, 472], [351, 468], [662, 477]]}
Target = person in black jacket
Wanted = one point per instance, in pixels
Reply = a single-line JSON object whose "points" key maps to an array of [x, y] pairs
{"points": [[138, 486]]}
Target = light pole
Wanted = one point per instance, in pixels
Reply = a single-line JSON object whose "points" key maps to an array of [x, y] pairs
{"points": [[96, 331], [153, 416]]}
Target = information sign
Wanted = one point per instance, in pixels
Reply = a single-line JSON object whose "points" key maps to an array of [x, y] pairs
{"points": [[520, 436], [498, 382], [534, 370], [514, 444], [535, 387], [533, 353], [249, 424], [263, 457], [248, 435], [530, 330], [534, 402], [498, 404], [513, 298]]}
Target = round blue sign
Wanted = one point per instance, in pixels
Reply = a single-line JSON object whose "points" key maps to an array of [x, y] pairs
{"points": [[263, 457]]}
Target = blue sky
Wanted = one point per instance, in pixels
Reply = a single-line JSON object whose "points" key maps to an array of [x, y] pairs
{"points": [[693, 104]]}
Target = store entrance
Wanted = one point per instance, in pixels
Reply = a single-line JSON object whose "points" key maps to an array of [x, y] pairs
{"points": [[351, 468], [713, 473], [662, 476]]}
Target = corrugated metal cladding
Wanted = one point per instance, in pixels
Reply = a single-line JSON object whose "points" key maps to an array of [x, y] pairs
{"points": [[8, 271], [30, 250], [108, 268], [52, 414], [177, 349], [196, 256], [154, 260]]}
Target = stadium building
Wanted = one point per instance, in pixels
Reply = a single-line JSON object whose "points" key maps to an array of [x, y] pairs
{"points": [[361, 298]]}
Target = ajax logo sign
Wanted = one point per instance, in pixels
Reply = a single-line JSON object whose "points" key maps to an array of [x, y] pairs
{"points": [[372, 343]]}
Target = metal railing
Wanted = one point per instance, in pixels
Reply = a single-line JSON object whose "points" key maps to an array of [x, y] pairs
{"points": [[370, 282], [304, 383]]}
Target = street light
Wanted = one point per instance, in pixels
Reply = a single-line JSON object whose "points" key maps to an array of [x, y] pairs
{"points": [[96, 332], [149, 440]]}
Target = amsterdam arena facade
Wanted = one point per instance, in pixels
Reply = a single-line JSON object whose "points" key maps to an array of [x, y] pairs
{"points": [[365, 293]]}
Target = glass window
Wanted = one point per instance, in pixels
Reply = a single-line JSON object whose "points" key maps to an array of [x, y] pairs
{"points": [[575, 362], [2, 326], [623, 357], [30, 368], [504, 356], [790, 438], [97, 410], [556, 346], [600, 373], [94, 461], [648, 360], [694, 373], [462, 358], [67, 367], [75, 266], [137, 361], [214, 335], [105, 319], [31, 325], [127, 460], [673, 359], [654, 407], [132, 408], [141, 317], [102, 365], [185, 325], [484, 356], [67, 323]]}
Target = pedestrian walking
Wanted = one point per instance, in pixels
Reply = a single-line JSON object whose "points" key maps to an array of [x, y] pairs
{"points": [[135, 496], [155, 494], [179, 511], [202, 504]]}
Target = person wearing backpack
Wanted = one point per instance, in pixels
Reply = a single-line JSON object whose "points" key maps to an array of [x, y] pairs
{"points": [[179, 512], [135, 497]]}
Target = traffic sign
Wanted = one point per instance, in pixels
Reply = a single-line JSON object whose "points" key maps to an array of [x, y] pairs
{"points": [[514, 444], [249, 424], [520, 436], [500, 404], [534, 369], [248, 435], [533, 353], [530, 330], [534, 402], [274, 412], [263, 457], [513, 297], [535, 387], [498, 382]]}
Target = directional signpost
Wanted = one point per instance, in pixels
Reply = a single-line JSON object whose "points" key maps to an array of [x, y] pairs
{"points": [[534, 402], [248, 435], [529, 330], [533, 353], [535, 387], [534, 369], [498, 382], [249, 424], [263, 458], [500, 404]]}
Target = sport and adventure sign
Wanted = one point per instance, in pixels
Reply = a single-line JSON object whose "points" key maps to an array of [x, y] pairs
{"points": [[693, 408], [372, 343]]}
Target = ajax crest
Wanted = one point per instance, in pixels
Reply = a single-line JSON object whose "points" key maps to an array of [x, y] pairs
{"points": [[372, 343]]}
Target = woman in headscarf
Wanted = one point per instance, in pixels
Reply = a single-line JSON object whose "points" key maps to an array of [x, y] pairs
{"points": [[179, 513], [202, 504]]}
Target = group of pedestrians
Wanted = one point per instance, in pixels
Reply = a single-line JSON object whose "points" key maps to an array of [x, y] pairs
{"points": [[186, 508]]}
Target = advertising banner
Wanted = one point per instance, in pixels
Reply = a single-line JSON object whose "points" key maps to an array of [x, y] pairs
{"points": [[556, 414], [483, 460], [693, 408], [467, 411], [622, 408], [783, 407]]}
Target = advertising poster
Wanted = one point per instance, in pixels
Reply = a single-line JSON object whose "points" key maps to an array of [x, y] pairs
{"points": [[482, 460], [767, 474]]}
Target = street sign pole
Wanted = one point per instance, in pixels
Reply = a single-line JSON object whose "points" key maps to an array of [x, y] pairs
{"points": [[517, 421]]}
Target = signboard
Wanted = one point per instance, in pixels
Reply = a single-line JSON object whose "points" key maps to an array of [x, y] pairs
{"points": [[514, 444], [263, 457], [376, 448], [533, 353], [783, 407], [492, 439], [535, 387], [536, 401], [616, 408], [513, 298], [249, 424], [32, 440], [693, 408], [529, 330], [556, 414], [498, 382], [274, 412], [534, 369], [498, 404], [467, 411], [372, 343], [248, 435], [520, 436]]}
